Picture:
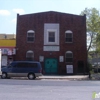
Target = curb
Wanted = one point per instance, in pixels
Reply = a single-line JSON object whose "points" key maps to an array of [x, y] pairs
{"points": [[65, 78]]}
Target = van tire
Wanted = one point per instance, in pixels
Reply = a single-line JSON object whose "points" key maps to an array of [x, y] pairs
{"points": [[4, 75], [31, 76]]}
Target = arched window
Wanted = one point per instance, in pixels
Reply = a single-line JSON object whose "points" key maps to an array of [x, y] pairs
{"points": [[68, 36], [69, 56], [29, 55], [30, 36]]}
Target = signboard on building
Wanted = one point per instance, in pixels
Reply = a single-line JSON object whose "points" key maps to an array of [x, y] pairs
{"points": [[51, 48], [8, 51], [41, 58], [61, 58], [14, 51], [69, 69]]}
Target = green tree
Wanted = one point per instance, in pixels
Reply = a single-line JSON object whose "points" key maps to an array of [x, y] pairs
{"points": [[98, 41], [93, 26]]}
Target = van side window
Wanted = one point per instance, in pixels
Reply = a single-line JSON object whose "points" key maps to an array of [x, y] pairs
{"points": [[32, 65], [22, 65], [27, 65]]}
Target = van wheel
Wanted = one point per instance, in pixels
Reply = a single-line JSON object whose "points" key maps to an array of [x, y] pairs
{"points": [[4, 75], [31, 76]]}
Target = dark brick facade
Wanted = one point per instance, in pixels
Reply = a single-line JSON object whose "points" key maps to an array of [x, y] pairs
{"points": [[75, 23]]}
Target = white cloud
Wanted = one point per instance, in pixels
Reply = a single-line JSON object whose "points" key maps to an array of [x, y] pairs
{"points": [[20, 11], [4, 12]]}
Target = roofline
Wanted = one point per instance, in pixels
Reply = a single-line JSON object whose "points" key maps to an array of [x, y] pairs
{"points": [[49, 12]]}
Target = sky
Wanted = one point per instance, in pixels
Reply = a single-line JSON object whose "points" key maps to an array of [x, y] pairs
{"points": [[10, 8]]}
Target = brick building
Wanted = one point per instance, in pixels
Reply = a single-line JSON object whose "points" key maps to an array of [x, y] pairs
{"points": [[57, 40]]}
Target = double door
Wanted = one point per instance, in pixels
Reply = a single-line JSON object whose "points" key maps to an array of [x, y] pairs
{"points": [[51, 66]]}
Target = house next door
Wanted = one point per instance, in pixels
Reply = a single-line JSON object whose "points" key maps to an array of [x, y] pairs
{"points": [[50, 66]]}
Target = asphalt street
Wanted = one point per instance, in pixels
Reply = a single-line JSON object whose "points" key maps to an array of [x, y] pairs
{"points": [[44, 89]]}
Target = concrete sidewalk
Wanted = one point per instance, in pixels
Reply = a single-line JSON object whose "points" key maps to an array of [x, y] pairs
{"points": [[68, 77], [59, 77]]}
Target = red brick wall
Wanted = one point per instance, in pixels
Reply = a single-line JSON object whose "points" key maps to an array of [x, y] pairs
{"points": [[75, 23]]}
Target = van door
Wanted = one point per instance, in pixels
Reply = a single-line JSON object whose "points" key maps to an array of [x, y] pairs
{"points": [[21, 70]]}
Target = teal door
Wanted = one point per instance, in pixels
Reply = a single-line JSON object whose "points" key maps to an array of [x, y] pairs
{"points": [[51, 66]]}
